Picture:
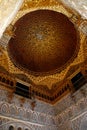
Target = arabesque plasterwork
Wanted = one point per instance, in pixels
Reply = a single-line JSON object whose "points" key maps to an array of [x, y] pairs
{"points": [[28, 6]]}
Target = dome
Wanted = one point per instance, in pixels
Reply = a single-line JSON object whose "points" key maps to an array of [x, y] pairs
{"points": [[45, 42]]}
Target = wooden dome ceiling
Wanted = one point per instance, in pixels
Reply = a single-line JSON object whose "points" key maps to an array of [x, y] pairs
{"points": [[45, 42]]}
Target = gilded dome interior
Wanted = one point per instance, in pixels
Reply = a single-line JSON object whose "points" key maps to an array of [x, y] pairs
{"points": [[45, 42], [47, 48]]}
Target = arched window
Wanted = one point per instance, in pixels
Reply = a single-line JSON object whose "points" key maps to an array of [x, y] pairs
{"points": [[11, 127], [3, 80], [11, 83], [0, 78], [7, 81], [19, 128]]}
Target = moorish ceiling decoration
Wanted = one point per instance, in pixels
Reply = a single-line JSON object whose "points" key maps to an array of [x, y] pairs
{"points": [[71, 47], [45, 42]]}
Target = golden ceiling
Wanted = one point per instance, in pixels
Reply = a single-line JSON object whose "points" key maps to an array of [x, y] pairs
{"points": [[66, 51], [45, 42]]}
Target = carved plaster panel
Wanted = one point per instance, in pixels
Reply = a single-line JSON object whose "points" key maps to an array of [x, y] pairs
{"points": [[8, 9], [29, 6], [79, 5]]}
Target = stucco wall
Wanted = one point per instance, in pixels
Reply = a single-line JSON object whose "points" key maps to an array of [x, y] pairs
{"points": [[79, 5], [19, 113], [70, 113], [8, 10]]}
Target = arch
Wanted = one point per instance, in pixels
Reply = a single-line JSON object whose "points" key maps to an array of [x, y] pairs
{"points": [[13, 109], [4, 108], [21, 112], [26, 129], [19, 128], [11, 127]]}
